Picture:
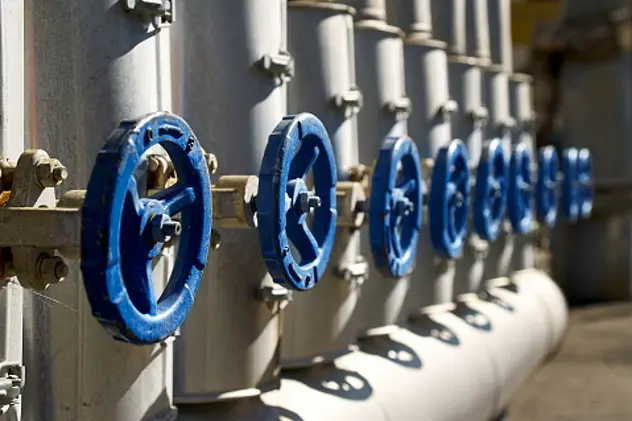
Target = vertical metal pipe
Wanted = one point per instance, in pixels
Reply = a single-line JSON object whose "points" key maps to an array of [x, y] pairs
{"points": [[229, 343], [448, 24], [426, 69], [410, 15], [477, 29], [379, 56], [91, 65], [500, 33], [368, 9], [316, 324], [12, 127]]}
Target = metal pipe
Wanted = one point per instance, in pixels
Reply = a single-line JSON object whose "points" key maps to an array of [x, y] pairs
{"points": [[368, 9], [449, 24], [477, 29], [413, 16], [230, 67], [11, 145], [91, 65], [316, 324], [379, 59], [461, 363], [500, 33], [426, 70]]}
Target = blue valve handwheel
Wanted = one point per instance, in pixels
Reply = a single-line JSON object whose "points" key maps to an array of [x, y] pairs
{"points": [[570, 190], [520, 191], [546, 187], [122, 233], [491, 191], [449, 200], [396, 207], [297, 146], [585, 181]]}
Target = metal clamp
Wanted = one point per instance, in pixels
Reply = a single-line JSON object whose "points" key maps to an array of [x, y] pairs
{"points": [[355, 273], [351, 203], [281, 65], [350, 101], [446, 110], [234, 201], [12, 379], [401, 107], [479, 116], [505, 125], [160, 12]]}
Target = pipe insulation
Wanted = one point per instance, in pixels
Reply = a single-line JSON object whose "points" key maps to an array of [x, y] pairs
{"points": [[454, 362]]}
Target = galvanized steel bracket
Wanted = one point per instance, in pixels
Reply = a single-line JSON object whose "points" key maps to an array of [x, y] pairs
{"points": [[351, 203], [351, 101], [12, 379], [159, 12], [355, 273], [281, 65], [401, 107]]}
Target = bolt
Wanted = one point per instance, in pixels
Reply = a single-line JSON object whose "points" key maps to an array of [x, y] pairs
{"points": [[308, 202], [51, 269], [215, 240], [163, 228], [51, 173], [404, 207], [457, 199], [211, 162]]}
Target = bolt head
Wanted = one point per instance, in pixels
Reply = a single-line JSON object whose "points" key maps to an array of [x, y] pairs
{"points": [[51, 269]]}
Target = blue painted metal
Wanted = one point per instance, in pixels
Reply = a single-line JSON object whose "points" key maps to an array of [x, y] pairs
{"points": [[570, 190], [396, 207], [585, 181], [520, 191], [449, 200], [546, 187], [491, 191], [119, 228], [297, 146]]}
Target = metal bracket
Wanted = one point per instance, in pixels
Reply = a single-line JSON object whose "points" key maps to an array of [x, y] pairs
{"points": [[275, 293], [446, 110], [352, 204], [355, 273], [350, 101], [505, 125], [234, 201], [12, 379], [160, 12], [479, 116], [401, 107], [281, 65]]}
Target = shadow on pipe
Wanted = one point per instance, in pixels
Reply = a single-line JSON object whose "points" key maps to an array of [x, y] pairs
{"points": [[392, 350], [428, 328], [333, 380], [473, 317], [247, 408]]}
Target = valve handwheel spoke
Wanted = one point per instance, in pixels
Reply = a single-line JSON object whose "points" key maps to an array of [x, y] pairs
{"points": [[449, 200], [122, 233], [396, 201], [298, 146], [570, 184], [546, 188], [520, 191]]}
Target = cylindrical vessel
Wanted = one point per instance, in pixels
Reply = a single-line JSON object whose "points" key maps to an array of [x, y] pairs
{"points": [[477, 30], [449, 24], [379, 56], [521, 105], [445, 366], [426, 69], [316, 324], [229, 343], [496, 94], [91, 65], [500, 33], [12, 125], [413, 16], [468, 124]]}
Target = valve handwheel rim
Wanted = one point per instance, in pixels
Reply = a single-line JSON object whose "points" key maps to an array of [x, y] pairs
{"points": [[585, 180], [449, 200], [546, 198], [396, 207], [297, 146], [122, 233], [520, 191], [490, 191], [570, 188]]}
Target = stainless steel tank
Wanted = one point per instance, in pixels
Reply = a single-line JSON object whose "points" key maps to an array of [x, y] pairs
{"points": [[379, 57], [230, 67], [316, 325], [91, 65], [426, 69]]}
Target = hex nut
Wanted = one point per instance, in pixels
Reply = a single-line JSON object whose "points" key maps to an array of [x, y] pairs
{"points": [[51, 269]]}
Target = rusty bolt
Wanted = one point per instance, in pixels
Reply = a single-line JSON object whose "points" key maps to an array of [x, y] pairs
{"points": [[211, 162], [51, 269], [51, 173]]}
